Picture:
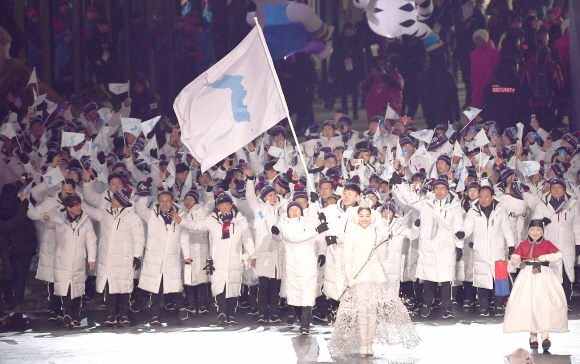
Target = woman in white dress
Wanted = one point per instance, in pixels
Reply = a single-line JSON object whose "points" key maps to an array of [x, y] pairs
{"points": [[369, 311]]}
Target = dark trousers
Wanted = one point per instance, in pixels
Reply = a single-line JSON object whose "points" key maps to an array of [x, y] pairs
{"points": [[429, 294], [175, 297], [20, 269], [116, 303], [468, 291], [268, 295], [196, 295], [305, 315], [484, 296], [226, 306], [418, 292], [54, 303], [566, 284], [71, 306]]}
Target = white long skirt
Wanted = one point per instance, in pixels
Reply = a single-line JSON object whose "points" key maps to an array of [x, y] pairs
{"points": [[537, 303]]}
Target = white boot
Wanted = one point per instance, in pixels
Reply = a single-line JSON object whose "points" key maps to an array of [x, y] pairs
{"points": [[363, 350], [370, 350]]}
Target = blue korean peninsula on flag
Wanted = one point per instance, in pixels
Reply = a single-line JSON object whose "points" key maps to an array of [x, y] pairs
{"points": [[230, 104]]}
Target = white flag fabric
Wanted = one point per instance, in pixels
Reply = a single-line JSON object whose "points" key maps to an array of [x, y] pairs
{"points": [[32, 78], [461, 183], [152, 144], [449, 131], [472, 112], [457, 151], [531, 167], [480, 140], [13, 118], [102, 171], [50, 106], [388, 171], [230, 104], [105, 114], [147, 126], [39, 100], [8, 130], [53, 177], [377, 140], [119, 88], [520, 129], [424, 135], [131, 125], [27, 190], [84, 150], [71, 139], [399, 155], [391, 114]]}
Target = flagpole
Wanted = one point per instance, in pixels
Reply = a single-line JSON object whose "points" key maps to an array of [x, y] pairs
{"points": [[281, 94]]}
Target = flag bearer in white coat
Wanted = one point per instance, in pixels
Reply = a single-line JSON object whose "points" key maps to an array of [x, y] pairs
{"points": [[537, 303], [197, 286], [564, 231], [45, 272], [492, 237], [304, 252], [161, 272], [75, 242], [268, 248], [231, 250], [120, 249], [440, 244]]}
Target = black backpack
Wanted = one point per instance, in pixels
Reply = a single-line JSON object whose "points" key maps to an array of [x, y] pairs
{"points": [[541, 85]]}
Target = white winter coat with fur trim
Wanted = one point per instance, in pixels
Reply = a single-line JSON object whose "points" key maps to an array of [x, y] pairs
{"points": [[226, 253], [163, 251], [302, 246], [74, 247], [122, 239], [491, 238]]}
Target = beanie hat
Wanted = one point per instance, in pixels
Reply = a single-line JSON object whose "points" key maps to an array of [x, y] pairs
{"points": [[119, 164], [223, 197], [389, 205], [473, 184], [427, 185], [505, 173], [482, 33], [311, 132], [571, 139], [277, 129], [418, 175], [333, 171], [345, 120], [329, 122], [559, 169], [441, 181], [327, 180], [330, 155], [171, 124], [512, 134], [266, 189], [373, 191], [558, 181], [280, 179], [181, 167], [436, 142], [299, 192], [517, 190], [123, 196], [445, 158], [405, 140], [90, 106], [193, 193], [376, 119], [294, 203]]}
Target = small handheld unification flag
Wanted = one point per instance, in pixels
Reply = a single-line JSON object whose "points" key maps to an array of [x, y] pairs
{"points": [[472, 112], [39, 100], [105, 114], [388, 171], [119, 88], [8, 130], [391, 114], [102, 171], [449, 131], [531, 168], [463, 174], [502, 284], [27, 190], [377, 140], [520, 129], [71, 139], [33, 78], [53, 177], [480, 140], [152, 144], [50, 106], [147, 126], [86, 149], [424, 135], [131, 126]]}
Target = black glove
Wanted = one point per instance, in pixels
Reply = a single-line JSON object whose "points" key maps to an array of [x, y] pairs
{"points": [[153, 153], [314, 197], [546, 221], [321, 260], [321, 217], [330, 240], [209, 267], [101, 158], [460, 235], [454, 137], [512, 249], [316, 170], [418, 222], [395, 179], [144, 188], [275, 230], [577, 250], [322, 228], [458, 254], [23, 157], [136, 263]]}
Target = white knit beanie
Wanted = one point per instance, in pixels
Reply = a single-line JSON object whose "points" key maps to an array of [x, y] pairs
{"points": [[482, 33]]}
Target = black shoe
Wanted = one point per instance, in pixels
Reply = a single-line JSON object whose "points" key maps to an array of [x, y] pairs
{"points": [[244, 304], [319, 317], [222, 319], [52, 316], [190, 308], [262, 318], [304, 331], [124, 320], [110, 321], [74, 324], [291, 320], [253, 311], [483, 313], [155, 321], [425, 310], [283, 303], [467, 303], [231, 320], [275, 319], [170, 306], [202, 310], [546, 344], [183, 315], [499, 311], [447, 314], [136, 306], [67, 320]]}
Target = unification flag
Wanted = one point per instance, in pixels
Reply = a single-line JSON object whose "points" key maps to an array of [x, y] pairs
{"points": [[531, 167], [471, 113], [71, 139], [8, 131], [147, 126], [119, 88], [231, 103], [480, 140], [424, 135], [32, 78], [391, 114], [53, 177], [131, 126]]}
